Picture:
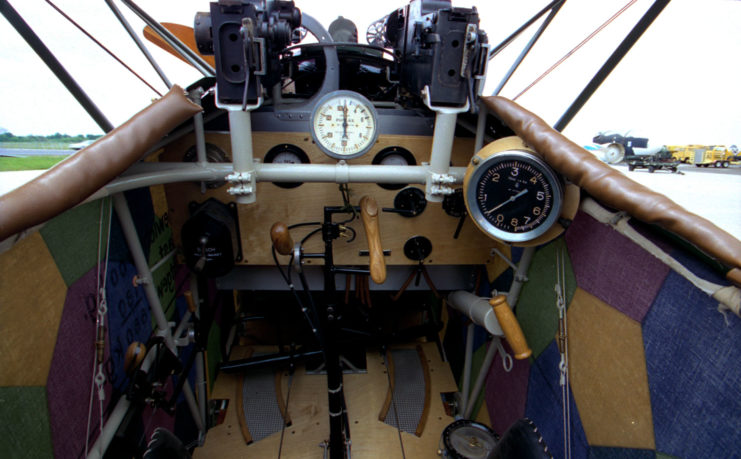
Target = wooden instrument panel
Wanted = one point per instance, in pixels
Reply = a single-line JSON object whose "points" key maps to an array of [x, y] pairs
{"points": [[305, 204]]}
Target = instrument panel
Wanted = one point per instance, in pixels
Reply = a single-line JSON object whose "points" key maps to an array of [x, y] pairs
{"points": [[451, 242]]}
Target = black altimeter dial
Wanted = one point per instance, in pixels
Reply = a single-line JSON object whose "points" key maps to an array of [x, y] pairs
{"points": [[514, 196]]}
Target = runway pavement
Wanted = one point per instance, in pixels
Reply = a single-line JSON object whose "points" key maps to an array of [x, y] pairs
{"points": [[709, 192], [19, 152]]}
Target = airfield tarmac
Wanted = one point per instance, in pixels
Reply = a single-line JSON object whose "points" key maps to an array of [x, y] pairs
{"points": [[713, 193], [709, 192]]}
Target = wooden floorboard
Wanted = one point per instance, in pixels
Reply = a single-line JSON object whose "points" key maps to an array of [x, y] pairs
{"points": [[364, 394]]}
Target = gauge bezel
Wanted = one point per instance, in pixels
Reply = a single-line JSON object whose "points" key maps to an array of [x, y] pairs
{"points": [[480, 165], [362, 100]]}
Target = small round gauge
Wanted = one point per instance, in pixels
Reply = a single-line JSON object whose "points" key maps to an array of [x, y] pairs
{"points": [[512, 195], [394, 156], [465, 439], [344, 124], [286, 154]]}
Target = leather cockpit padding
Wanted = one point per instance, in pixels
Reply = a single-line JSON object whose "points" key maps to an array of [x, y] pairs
{"points": [[71, 181], [616, 190]]}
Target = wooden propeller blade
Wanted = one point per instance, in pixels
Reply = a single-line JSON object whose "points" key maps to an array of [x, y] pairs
{"points": [[183, 33]]}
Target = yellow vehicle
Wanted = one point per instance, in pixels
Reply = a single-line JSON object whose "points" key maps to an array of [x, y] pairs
{"points": [[703, 155]]}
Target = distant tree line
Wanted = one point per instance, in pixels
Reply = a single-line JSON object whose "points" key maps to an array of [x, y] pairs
{"points": [[8, 137]]}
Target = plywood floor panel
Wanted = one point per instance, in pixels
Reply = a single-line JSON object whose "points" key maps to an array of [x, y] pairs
{"points": [[364, 394]]}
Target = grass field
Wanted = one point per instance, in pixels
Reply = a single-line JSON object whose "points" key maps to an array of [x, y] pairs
{"points": [[28, 163]]}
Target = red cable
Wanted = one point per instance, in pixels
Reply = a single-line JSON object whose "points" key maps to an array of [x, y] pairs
{"points": [[576, 48]]}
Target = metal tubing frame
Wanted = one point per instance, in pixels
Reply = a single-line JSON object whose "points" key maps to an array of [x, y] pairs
{"points": [[467, 364], [240, 127], [148, 174], [513, 296], [139, 43], [442, 147], [553, 11], [497, 49], [483, 372], [191, 57], [641, 26], [25, 31], [150, 291]]}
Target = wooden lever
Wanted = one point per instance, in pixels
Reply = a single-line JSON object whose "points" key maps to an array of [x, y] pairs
{"points": [[190, 301], [281, 238], [510, 327], [369, 216], [134, 356]]}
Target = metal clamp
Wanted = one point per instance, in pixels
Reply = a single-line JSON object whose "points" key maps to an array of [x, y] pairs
{"points": [[244, 183], [440, 109], [440, 184]]}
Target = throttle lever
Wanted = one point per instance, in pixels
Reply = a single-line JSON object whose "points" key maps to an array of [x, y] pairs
{"points": [[510, 327], [369, 216]]}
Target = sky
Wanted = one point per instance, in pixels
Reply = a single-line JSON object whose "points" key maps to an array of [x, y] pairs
{"points": [[678, 85]]}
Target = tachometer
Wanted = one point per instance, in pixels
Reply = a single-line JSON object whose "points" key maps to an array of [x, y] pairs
{"points": [[511, 193], [344, 124]]}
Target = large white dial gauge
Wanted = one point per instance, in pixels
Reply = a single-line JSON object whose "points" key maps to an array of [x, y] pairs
{"points": [[344, 124]]}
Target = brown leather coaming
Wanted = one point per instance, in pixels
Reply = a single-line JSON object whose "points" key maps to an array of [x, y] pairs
{"points": [[73, 180], [614, 189]]}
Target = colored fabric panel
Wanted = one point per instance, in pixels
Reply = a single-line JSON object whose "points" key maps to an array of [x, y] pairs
{"points": [[698, 267], [24, 423], [506, 392], [544, 406], [693, 358], [160, 240], [536, 309], [32, 293], [140, 205], [72, 238], [608, 374], [71, 373], [611, 267], [160, 206], [213, 351], [128, 318], [600, 452], [477, 360]]}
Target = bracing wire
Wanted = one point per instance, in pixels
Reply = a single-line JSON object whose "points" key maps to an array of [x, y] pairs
{"points": [[100, 297], [576, 48], [102, 46], [288, 400], [393, 402]]}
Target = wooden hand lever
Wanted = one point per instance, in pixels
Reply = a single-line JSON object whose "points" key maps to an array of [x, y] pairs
{"points": [[281, 238], [190, 301], [510, 327], [369, 216]]}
